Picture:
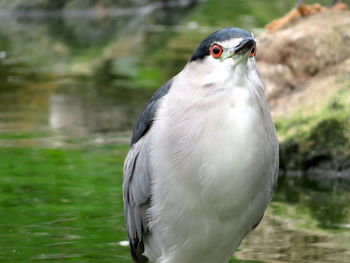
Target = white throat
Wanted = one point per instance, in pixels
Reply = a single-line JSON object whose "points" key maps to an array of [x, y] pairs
{"points": [[212, 73]]}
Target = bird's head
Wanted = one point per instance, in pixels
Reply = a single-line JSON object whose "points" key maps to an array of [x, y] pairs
{"points": [[225, 54]]}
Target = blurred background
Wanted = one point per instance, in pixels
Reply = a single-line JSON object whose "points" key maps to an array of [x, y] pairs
{"points": [[74, 77]]}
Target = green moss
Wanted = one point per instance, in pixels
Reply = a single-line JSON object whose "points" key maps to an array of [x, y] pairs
{"points": [[328, 133], [322, 136]]}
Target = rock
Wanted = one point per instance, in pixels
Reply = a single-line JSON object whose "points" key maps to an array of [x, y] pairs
{"points": [[296, 61], [272, 75], [326, 42], [306, 68]]}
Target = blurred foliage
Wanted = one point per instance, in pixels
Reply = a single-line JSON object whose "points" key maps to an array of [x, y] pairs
{"points": [[91, 45], [144, 51], [247, 14]]}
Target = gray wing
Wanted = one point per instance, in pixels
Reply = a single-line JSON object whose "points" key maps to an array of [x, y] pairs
{"points": [[273, 188], [275, 170], [137, 178]]}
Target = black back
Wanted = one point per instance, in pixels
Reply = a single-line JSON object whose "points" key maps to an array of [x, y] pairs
{"points": [[147, 116], [218, 36]]}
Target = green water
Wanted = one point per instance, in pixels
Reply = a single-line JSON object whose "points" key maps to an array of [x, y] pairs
{"points": [[62, 205], [65, 204], [72, 87]]}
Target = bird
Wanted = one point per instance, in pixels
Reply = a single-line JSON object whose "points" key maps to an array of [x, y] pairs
{"points": [[203, 161]]}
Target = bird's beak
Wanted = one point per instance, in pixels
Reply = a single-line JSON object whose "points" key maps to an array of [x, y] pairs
{"points": [[242, 48]]}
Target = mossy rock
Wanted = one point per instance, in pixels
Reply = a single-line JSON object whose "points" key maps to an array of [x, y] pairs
{"points": [[328, 134], [325, 146]]}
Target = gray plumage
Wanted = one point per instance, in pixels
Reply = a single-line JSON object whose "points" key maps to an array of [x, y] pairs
{"points": [[204, 157], [137, 179]]}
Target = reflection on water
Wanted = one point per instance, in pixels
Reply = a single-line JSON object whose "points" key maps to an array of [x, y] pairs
{"points": [[49, 83], [275, 241], [90, 110], [83, 80], [76, 108], [308, 207]]}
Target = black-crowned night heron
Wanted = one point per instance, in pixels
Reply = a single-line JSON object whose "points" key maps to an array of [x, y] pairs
{"points": [[204, 157]]}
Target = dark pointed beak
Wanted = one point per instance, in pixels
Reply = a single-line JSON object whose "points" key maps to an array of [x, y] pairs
{"points": [[244, 46]]}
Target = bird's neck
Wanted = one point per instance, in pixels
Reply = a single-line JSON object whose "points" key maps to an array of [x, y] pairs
{"points": [[239, 76], [227, 75]]}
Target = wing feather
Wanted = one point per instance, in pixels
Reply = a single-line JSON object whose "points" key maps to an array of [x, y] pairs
{"points": [[137, 177]]}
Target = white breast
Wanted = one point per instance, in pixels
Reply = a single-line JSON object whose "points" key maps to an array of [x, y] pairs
{"points": [[210, 167]]}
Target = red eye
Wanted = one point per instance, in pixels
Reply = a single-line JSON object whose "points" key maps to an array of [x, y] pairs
{"points": [[253, 52], [216, 50]]}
